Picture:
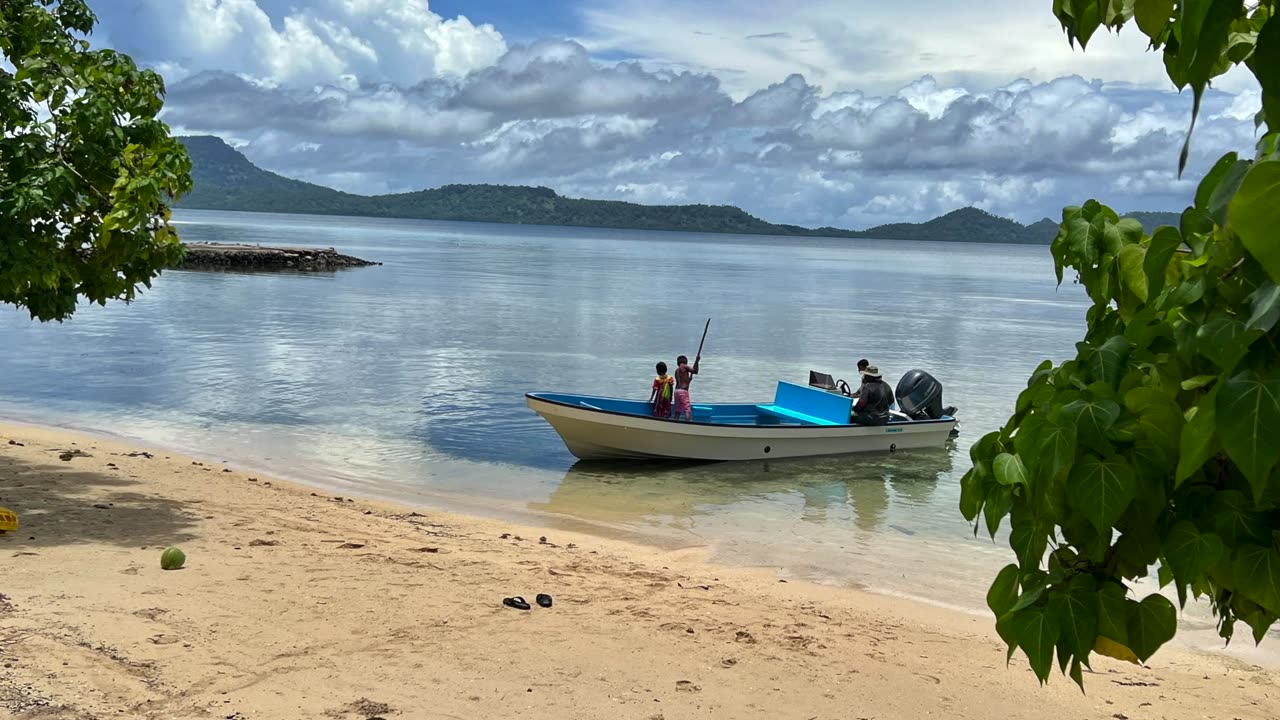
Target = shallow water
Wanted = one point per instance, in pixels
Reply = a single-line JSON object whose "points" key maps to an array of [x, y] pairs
{"points": [[406, 381]]}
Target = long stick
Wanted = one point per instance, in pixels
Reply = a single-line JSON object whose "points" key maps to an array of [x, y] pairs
{"points": [[704, 337]]}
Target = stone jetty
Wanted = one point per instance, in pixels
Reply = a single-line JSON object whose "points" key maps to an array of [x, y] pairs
{"points": [[227, 256]]}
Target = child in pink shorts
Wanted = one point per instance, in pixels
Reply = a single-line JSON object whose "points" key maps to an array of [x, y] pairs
{"points": [[684, 376]]}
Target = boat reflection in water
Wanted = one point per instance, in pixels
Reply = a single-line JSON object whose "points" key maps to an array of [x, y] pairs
{"points": [[883, 522], [873, 492]]}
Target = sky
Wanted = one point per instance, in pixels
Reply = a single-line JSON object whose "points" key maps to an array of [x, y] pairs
{"points": [[815, 112]]}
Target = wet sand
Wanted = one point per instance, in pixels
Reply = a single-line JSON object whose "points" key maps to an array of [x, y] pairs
{"points": [[295, 604]]}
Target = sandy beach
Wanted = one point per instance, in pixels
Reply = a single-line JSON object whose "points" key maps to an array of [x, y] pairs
{"points": [[295, 603]]}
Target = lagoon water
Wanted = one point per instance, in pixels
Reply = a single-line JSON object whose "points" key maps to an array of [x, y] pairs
{"points": [[407, 380]]}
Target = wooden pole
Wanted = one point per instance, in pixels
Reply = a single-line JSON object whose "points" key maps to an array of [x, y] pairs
{"points": [[704, 337]]}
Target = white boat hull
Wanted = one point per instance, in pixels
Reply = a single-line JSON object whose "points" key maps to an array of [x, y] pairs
{"points": [[591, 434]]}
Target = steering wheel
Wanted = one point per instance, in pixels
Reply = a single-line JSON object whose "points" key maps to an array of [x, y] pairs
{"points": [[844, 388]]}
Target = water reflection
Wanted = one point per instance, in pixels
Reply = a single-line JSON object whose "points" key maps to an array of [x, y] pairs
{"points": [[872, 492]]}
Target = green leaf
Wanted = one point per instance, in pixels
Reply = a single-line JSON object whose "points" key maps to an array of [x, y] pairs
{"points": [[1190, 552], [971, 494], [1235, 520], [1257, 574], [1076, 613], [1004, 591], [1165, 241], [1254, 215], [1010, 470], [1151, 623], [1265, 302], [1225, 340], [1113, 620], [1108, 363], [1266, 59], [1084, 239], [996, 507], [1199, 381], [1137, 549], [1248, 422], [1204, 192], [1152, 16], [1199, 439], [1226, 190], [1033, 586], [1133, 276], [1101, 490], [1159, 424], [1187, 292], [1037, 631], [1130, 231], [1029, 539], [1092, 418]]}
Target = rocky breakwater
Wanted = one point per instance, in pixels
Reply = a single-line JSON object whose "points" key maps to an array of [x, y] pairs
{"points": [[226, 256]]}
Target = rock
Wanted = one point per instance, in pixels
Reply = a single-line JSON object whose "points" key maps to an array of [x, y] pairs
{"points": [[227, 256]]}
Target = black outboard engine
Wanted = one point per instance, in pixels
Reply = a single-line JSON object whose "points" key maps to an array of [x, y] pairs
{"points": [[920, 397]]}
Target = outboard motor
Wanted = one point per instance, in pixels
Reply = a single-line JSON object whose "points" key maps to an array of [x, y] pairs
{"points": [[920, 397]]}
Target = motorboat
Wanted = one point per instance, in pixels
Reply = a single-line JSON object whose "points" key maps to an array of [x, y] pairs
{"points": [[801, 421]]}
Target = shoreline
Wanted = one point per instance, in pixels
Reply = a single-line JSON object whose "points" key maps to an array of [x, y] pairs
{"points": [[296, 604]]}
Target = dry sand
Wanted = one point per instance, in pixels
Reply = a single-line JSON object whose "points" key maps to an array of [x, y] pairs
{"points": [[295, 604]]}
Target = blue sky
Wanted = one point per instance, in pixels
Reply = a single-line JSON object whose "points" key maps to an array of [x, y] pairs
{"points": [[818, 112]]}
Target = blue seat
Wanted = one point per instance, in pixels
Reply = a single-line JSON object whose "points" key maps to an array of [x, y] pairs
{"points": [[808, 406]]}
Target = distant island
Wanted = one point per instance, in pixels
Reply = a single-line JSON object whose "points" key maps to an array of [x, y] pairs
{"points": [[224, 179]]}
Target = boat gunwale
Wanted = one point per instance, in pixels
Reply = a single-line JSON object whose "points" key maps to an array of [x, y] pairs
{"points": [[685, 423]]}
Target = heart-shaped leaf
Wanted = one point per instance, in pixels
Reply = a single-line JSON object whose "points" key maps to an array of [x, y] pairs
{"points": [[1248, 420], [1199, 438], [1101, 490], [1010, 470], [1037, 631], [1151, 623], [1190, 552], [1076, 613], [1257, 576], [1164, 242], [1254, 214], [1004, 591]]}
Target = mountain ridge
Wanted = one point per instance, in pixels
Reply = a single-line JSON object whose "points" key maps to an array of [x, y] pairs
{"points": [[224, 179]]}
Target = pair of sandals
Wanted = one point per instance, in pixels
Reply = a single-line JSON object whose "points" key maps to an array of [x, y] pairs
{"points": [[519, 603]]}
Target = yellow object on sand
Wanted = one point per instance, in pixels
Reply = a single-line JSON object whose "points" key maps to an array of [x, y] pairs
{"points": [[8, 520]]}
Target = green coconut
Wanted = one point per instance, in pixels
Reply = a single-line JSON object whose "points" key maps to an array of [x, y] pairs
{"points": [[172, 559]]}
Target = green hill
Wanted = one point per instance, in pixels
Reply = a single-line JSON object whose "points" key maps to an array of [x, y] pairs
{"points": [[224, 179]]}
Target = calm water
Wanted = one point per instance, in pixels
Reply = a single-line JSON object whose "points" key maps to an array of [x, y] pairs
{"points": [[407, 380]]}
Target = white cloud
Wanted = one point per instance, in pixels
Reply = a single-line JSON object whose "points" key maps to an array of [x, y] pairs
{"points": [[868, 45], [834, 112], [399, 41]]}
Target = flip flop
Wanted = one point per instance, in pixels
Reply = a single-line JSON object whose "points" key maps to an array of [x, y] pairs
{"points": [[543, 600], [517, 602]]}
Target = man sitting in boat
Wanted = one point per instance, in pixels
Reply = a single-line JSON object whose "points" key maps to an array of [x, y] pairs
{"points": [[875, 397], [863, 364]]}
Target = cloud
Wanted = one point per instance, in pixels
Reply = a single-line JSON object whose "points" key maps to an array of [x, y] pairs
{"points": [[868, 45], [399, 41], [836, 113]]}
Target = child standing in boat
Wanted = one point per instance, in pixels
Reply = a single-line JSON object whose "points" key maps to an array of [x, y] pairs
{"points": [[660, 398], [684, 376]]}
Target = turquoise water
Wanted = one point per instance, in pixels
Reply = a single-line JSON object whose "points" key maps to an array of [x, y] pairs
{"points": [[406, 381]]}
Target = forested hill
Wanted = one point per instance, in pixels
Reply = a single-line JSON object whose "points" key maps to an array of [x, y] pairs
{"points": [[224, 179]]}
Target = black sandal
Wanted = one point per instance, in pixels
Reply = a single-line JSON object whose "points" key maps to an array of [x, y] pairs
{"points": [[517, 602], [543, 600]]}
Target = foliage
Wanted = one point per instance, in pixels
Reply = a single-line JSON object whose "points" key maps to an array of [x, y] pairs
{"points": [[85, 166], [226, 180], [1156, 447]]}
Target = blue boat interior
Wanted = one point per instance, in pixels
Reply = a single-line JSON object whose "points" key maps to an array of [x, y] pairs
{"points": [[792, 405]]}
